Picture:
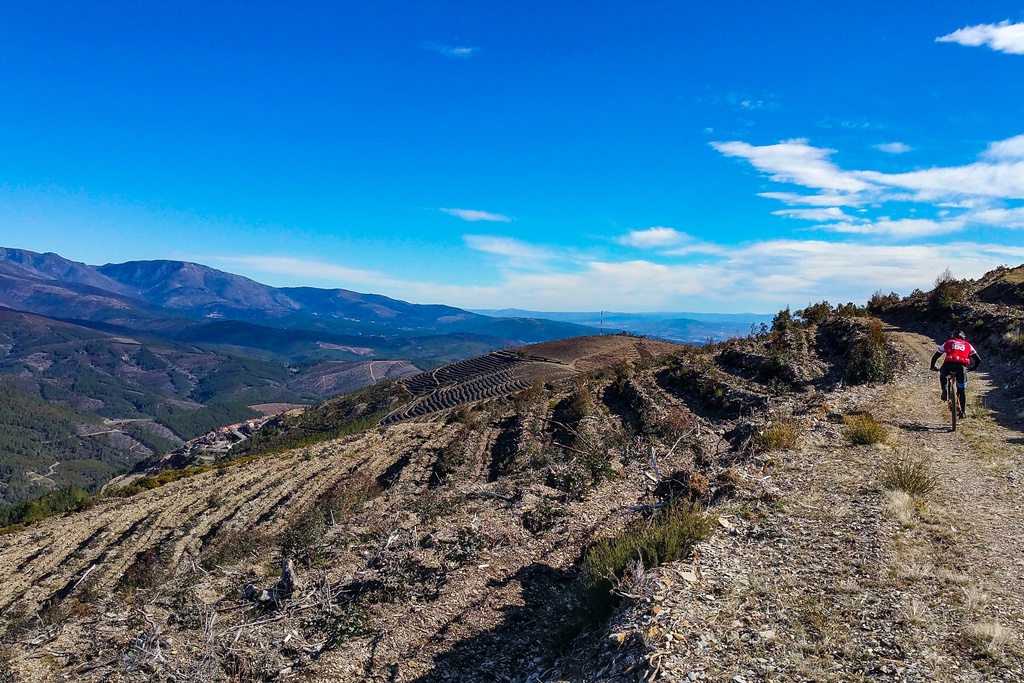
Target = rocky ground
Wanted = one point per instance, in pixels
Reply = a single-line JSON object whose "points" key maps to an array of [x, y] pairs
{"points": [[843, 580], [447, 549]]}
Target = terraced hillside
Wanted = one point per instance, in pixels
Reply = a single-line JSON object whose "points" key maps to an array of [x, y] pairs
{"points": [[506, 372], [415, 550]]}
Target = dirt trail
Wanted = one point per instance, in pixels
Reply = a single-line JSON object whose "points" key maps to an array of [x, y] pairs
{"points": [[982, 487], [838, 579]]}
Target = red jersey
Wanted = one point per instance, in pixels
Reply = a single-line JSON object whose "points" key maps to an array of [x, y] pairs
{"points": [[957, 351]]}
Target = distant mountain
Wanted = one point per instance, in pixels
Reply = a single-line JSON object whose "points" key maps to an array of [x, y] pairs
{"points": [[166, 296], [104, 366], [687, 327]]}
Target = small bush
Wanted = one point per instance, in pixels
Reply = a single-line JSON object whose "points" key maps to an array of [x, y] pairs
{"points": [[783, 321], [879, 303], [815, 314], [542, 516], [779, 436], [948, 291], [911, 477], [341, 624], [870, 359], [302, 539], [231, 547], [148, 568], [863, 430], [668, 535]]}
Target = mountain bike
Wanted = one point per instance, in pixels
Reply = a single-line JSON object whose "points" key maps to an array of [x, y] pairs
{"points": [[954, 400]]}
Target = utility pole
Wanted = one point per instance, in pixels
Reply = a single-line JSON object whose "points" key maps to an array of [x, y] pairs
{"points": [[602, 322]]}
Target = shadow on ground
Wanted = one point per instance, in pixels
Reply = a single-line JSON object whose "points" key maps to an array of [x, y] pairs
{"points": [[529, 636]]}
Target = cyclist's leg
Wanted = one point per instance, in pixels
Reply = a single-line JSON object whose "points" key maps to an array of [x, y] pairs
{"points": [[943, 374], [961, 389]]}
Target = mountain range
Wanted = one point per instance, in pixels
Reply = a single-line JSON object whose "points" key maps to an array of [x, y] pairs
{"points": [[688, 327], [105, 366]]}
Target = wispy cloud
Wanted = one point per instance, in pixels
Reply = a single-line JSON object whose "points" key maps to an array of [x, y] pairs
{"points": [[829, 214], [759, 276], [994, 183], [894, 147], [519, 254], [1011, 149], [1002, 37], [655, 237], [1004, 218], [749, 102], [795, 161], [903, 228], [1001, 180], [454, 51], [472, 215], [794, 199]]}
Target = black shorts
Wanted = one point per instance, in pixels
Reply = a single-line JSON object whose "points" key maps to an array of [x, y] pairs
{"points": [[957, 369]]}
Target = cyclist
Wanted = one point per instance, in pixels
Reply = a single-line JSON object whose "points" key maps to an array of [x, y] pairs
{"points": [[960, 357]]}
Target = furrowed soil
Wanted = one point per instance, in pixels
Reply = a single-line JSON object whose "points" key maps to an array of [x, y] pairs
{"points": [[447, 547]]}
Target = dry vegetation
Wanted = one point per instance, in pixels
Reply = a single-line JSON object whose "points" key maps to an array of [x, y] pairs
{"points": [[780, 507]]}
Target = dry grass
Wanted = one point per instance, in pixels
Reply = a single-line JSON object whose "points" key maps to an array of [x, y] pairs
{"points": [[779, 436], [915, 612], [864, 430], [902, 507], [912, 477], [974, 598], [989, 637]]}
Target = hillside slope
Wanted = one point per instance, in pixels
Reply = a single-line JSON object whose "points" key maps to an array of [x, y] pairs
{"points": [[490, 540]]}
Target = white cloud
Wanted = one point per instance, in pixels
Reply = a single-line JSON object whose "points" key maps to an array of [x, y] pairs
{"points": [[904, 228], [651, 238], [894, 147], [795, 161], [456, 51], [829, 214], [1002, 37], [793, 199], [1000, 175], [1003, 180], [1003, 218], [1011, 149], [519, 253], [760, 276], [473, 215]]}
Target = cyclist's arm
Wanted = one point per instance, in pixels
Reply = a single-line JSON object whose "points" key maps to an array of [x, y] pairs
{"points": [[975, 360], [938, 354]]}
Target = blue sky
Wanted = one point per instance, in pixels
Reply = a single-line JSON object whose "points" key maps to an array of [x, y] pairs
{"points": [[737, 156]]}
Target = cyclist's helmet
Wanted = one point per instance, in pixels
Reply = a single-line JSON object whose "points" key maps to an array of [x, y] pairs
{"points": [[960, 335]]}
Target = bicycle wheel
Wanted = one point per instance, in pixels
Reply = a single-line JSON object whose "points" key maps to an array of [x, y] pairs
{"points": [[954, 409]]}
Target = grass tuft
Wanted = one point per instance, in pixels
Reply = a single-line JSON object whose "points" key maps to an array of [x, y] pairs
{"points": [[863, 430], [912, 477], [779, 436]]}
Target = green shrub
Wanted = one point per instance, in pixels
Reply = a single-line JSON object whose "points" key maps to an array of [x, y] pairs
{"points": [[148, 568], [863, 430], [815, 314], [912, 477], [783, 321], [667, 536], [870, 359], [879, 303], [303, 536], [948, 291]]}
